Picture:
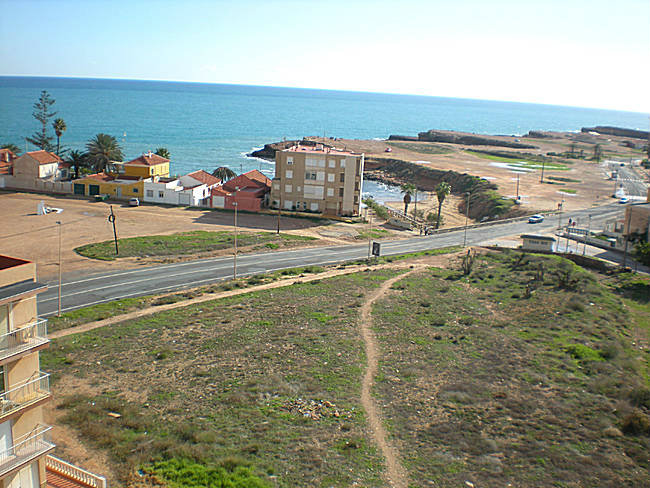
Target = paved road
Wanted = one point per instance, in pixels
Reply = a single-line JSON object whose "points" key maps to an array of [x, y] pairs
{"points": [[92, 289], [632, 183]]}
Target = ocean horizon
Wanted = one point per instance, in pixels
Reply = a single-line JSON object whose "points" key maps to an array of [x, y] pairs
{"points": [[206, 125]]}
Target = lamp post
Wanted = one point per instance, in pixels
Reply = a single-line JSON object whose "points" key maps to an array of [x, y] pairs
{"points": [[584, 249], [466, 219], [279, 210], [234, 268], [369, 232], [59, 224]]}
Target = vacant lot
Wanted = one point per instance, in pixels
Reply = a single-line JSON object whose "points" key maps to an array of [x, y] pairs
{"points": [[529, 371], [489, 383]]}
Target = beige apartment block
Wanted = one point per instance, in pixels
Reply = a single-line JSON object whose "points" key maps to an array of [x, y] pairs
{"points": [[318, 179], [25, 446]]}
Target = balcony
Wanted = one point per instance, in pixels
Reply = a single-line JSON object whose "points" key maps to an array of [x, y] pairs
{"points": [[25, 394], [59, 474], [25, 449], [24, 339]]}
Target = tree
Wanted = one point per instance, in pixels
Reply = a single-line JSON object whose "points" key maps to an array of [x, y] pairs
{"points": [[78, 160], [102, 149], [408, 189], [43, 115], [12, 147], [598, 153], [163, 152], [224, 173], [59, 128], [442, 190], [642, 252]]}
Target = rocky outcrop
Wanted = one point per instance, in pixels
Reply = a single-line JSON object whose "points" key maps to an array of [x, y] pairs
{"points": [[617, 131], [541, 135], [269, 150], [486, 203], [393, 137], [468, 139]]}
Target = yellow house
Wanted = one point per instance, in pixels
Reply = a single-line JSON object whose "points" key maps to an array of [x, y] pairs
{"points": [[123, 180], [145, 166]]}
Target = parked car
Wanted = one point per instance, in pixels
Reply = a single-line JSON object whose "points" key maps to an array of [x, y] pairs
{"points": [[624, 200], [535, 219], [134, 202]]}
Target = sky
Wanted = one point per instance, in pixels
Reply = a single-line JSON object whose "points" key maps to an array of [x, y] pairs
{"points": [[587, 53]]}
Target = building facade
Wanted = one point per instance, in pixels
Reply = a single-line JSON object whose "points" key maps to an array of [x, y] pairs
{"points": [[318, 179]]}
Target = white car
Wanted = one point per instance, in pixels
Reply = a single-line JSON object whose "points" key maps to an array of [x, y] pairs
{"points": [[535, 219], [134, 202]]}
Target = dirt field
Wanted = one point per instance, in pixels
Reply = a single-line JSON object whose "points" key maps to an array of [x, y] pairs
{"points": [[35, 237]]}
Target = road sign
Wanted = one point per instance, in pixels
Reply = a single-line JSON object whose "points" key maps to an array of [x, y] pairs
{"points": [[375, 249]]}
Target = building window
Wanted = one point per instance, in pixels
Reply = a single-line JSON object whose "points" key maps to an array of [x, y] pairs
{"points": [[310, 175], [332, 163], [313, 207], [276, 186], [288, 188], [330, 192], [342, 178], [290, 160], [342, 163], [135, 190], [289, 174], [161, 194], [330, 177], [340, 192], [150, 193]]}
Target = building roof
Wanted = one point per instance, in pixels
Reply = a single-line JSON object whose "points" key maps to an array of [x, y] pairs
{"points": [[538, 237], [6, 168], [148, 159], [253, 178], [204, 177], [44, 157], [98, 177], [258, 176], [7, 155], [319, 149]]}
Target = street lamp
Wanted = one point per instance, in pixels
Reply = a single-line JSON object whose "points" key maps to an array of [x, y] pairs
{"points": [[234, 268], [59, 224], [466, 219], [369, 231]]}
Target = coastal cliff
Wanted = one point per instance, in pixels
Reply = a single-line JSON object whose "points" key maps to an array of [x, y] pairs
{"points": [[460, 138], [617, 131]]}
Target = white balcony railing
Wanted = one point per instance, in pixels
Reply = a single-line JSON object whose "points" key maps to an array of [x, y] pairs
{"points": [[22, 394], [25, 449], [71, 471], [23, 339]]}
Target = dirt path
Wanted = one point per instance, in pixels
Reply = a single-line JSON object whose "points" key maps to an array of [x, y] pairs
{"points": [[396, 474]]}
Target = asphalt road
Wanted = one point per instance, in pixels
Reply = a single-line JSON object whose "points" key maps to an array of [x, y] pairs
{"points": [[631, 181], [92, 289]]}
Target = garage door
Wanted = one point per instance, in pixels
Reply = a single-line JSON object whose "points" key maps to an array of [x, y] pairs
{"points": [[93, 189], [79, 189]]}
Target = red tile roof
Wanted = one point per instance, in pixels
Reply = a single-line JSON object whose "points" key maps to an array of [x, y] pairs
{"points": [[98, 177], [253, 178], [44, 157], [256, 175], [6, 155], [205, 177], [149, 159], [6, 168]]}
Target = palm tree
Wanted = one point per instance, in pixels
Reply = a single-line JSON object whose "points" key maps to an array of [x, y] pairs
{"points": [[102, 149], [77, 160], [59, 128], [163, 152], [224, 173], [442, 190], [408, 189], [12, 147]]}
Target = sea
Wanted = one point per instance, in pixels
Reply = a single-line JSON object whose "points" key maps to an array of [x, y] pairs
{"points": [[206, 125]]}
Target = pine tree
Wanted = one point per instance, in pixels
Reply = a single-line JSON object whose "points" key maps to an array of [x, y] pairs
{"points": [[43, 115]]}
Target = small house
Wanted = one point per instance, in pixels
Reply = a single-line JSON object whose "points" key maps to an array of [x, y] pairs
{"points": [[534, 242]]}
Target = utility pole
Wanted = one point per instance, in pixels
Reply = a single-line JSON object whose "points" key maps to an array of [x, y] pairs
{"points": [[111, 219], [627, 235], [369, 232], [279, 210], [466, 219], [517, 187], [584, 249], [541, 180], [59, 224], [234, 268]]}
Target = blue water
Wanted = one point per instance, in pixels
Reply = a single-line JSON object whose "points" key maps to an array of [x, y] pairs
{"points": [[207, 125]]}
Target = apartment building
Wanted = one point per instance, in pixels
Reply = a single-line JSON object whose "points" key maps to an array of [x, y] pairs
{"points": [[318, 178], [25, 447]]}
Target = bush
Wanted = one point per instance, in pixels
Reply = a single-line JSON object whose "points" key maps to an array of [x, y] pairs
{"points": [[636, 423]]}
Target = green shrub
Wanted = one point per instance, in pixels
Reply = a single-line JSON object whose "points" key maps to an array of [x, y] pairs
{"points": [[636, 423], [584, 353], [182, 473]]}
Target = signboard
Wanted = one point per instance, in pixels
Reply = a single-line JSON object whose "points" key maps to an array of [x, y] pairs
{"points": [[375, 249]]}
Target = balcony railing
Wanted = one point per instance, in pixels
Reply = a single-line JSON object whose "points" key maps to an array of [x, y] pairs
{"points": [[25, 449], [23, 339], [72, 472], [25, 393]]}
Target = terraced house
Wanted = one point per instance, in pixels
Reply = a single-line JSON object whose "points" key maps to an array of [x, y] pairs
{"points": [[318, 179], [25, 445]]}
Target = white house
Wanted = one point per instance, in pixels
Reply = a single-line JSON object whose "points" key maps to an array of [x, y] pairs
{"points": [[40, 164], [192, 189]]}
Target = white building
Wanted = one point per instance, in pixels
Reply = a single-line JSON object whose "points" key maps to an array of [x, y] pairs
{"points": [[192, 189], [534, 242]]}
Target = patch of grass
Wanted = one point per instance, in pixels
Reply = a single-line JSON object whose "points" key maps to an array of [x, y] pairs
{"points": [[421, 147], [568, 190], [184, 243], [181, 473], [372, 234], [563, 179], [378, 208], [518, 162]]}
